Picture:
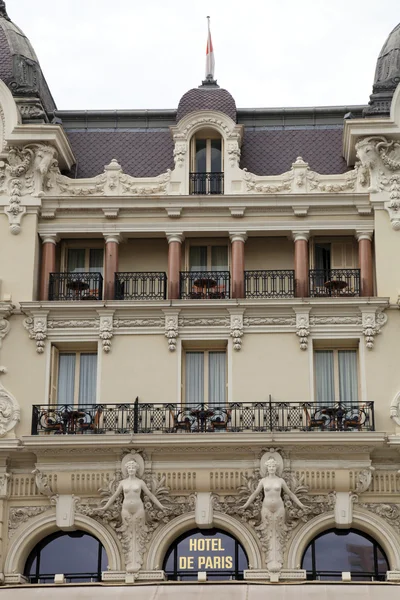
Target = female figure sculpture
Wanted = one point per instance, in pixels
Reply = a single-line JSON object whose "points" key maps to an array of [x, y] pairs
{"points": [[133, 516], [273, 513]]}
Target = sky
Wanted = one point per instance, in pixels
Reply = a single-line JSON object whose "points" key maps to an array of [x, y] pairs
{"points": [[138, 54]]}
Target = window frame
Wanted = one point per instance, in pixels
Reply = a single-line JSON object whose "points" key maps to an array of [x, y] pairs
{"points": [[331, 347], [209, 244], [220, 347], [85, 245], [207, 135], [55, 353], [331, 240]]}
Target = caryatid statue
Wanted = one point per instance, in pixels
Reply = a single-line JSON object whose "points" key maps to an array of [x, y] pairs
{"points": [[133, 516], [273, 514]]}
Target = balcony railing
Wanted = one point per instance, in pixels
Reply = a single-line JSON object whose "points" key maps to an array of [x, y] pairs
{"points": [[141, 286], [202, 418], [75, 286], [206, 183], [269, 284], [205, 284], [335, 282]]}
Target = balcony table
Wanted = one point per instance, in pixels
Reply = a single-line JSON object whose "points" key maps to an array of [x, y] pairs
{"points": [[201, 414], [77, 286], [70, 419], [336, 285]]}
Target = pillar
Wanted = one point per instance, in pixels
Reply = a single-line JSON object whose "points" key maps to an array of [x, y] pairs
{"points": [[238, 241], [110, 264], [364, 239], [174, 264], [48, 264], [301, 263]]}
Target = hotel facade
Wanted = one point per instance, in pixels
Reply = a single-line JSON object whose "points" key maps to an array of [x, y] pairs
{"points": [[197, 304]]}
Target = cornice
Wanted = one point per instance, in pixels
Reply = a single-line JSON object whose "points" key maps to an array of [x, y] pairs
{"points": [[44, 134]]}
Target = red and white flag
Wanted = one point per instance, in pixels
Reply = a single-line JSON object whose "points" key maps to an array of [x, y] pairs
{"points": [[210, 62]]}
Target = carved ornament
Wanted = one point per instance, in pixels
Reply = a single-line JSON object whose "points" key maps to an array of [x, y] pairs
{"points": [[10, 411], [37, 328], [171, 330]]}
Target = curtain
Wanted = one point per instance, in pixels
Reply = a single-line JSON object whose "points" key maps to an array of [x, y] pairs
{"points": [[348, 380], [96, 260], [76, 261], [324, 378], [194, 377], [66, 379], [217, 378], [219, 258], [88, 379], [198, 258]]}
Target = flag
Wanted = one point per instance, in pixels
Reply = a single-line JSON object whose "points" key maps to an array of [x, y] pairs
{"points": [[210, 62]]}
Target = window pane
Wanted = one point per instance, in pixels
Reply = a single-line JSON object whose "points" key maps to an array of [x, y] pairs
{"points": [[198, 258], [217, 374], [194, 377], [324, 379], [96, 260], [76, 261], [216, 156], [201, 156], [219, 258], [66, 379], [348, 380], [88, 379]]}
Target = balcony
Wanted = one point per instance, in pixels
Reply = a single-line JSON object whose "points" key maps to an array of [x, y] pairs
{"points": [[141, 286], [202, 418], [211, 285], [75, 286], [343, 283], [269, 284], [206, 183]]}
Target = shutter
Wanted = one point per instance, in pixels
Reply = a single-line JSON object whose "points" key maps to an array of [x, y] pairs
{"points": [[53, 375], [343, 255]]}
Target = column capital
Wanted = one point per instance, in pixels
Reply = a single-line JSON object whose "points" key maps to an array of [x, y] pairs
{"points": [[301, 235], [238, 236], [50, 238], [175, 237], [112, 237], [364, 235]]}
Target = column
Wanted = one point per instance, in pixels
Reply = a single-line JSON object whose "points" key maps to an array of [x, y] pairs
{"points": [[238, 241], [174, 264], [301, 264], [48, 264], [110, 264], [364, 239]]}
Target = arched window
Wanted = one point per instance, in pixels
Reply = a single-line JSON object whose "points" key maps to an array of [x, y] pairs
{"points": [[214, 551], [78, 555], [338, 550], [206, 175]]}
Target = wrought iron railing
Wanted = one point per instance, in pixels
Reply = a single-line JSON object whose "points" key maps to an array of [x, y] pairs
{"points": [[334, 282], [206, 183], [205, 284], [75, 286], [141, 286], [269, 284], [202, 418]]}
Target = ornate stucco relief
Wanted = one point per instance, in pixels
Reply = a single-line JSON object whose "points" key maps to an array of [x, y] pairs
{"points": [[10, 411]]}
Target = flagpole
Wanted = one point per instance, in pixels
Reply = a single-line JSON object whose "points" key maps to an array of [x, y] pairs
{"points": [[210, 62]]}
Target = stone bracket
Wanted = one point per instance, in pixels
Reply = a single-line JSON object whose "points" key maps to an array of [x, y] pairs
{"points": [[171, 327], [204, 513]]}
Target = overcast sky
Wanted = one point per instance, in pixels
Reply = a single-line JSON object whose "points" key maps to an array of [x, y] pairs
{"points": [[129, 54]]}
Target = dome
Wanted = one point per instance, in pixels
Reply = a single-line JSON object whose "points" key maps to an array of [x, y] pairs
{"points": [[20, 69], [208, 96], [387, 75]]}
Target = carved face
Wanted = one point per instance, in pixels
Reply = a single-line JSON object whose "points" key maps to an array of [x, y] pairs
{"points": [[132, 467], [367, 153], [271, 465]]}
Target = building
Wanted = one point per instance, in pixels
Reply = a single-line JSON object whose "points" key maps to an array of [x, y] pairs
{"points": [[197, 304]]}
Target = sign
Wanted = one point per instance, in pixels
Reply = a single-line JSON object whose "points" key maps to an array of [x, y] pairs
{"points": [[206, 552]]}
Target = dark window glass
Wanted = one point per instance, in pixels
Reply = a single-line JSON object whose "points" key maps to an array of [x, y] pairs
{"points": [[201, 156], [216, 156], [335, 551], [78, 555], [214, 551]]}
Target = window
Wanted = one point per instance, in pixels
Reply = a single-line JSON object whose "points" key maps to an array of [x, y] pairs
{"points": [[85, 260], [78, 555], [73, 377], [205, 377], [336, 375], [208, 258], [338, 550], [214, 551], [206, 175]]}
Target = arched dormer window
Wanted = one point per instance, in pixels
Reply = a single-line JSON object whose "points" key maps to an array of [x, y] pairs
{"points": [[206, 163]]}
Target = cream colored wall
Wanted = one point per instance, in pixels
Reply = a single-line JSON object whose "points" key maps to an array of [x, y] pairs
{"points": [[18, 260], [387, 248], [269, 253], [143, 255], [139, 365], [263, 365]]}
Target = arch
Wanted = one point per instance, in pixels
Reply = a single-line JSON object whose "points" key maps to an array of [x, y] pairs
{"points": [[172, 530], [44, 525], [365, 521], [9, 114], [211, 119]]}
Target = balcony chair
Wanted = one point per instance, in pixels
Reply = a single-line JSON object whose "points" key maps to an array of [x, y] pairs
{"points": [[312, 422], [93, 425], [50, 423], [181, 422], [219, 291], [90, 294], [355, 420], [220, 420]]}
